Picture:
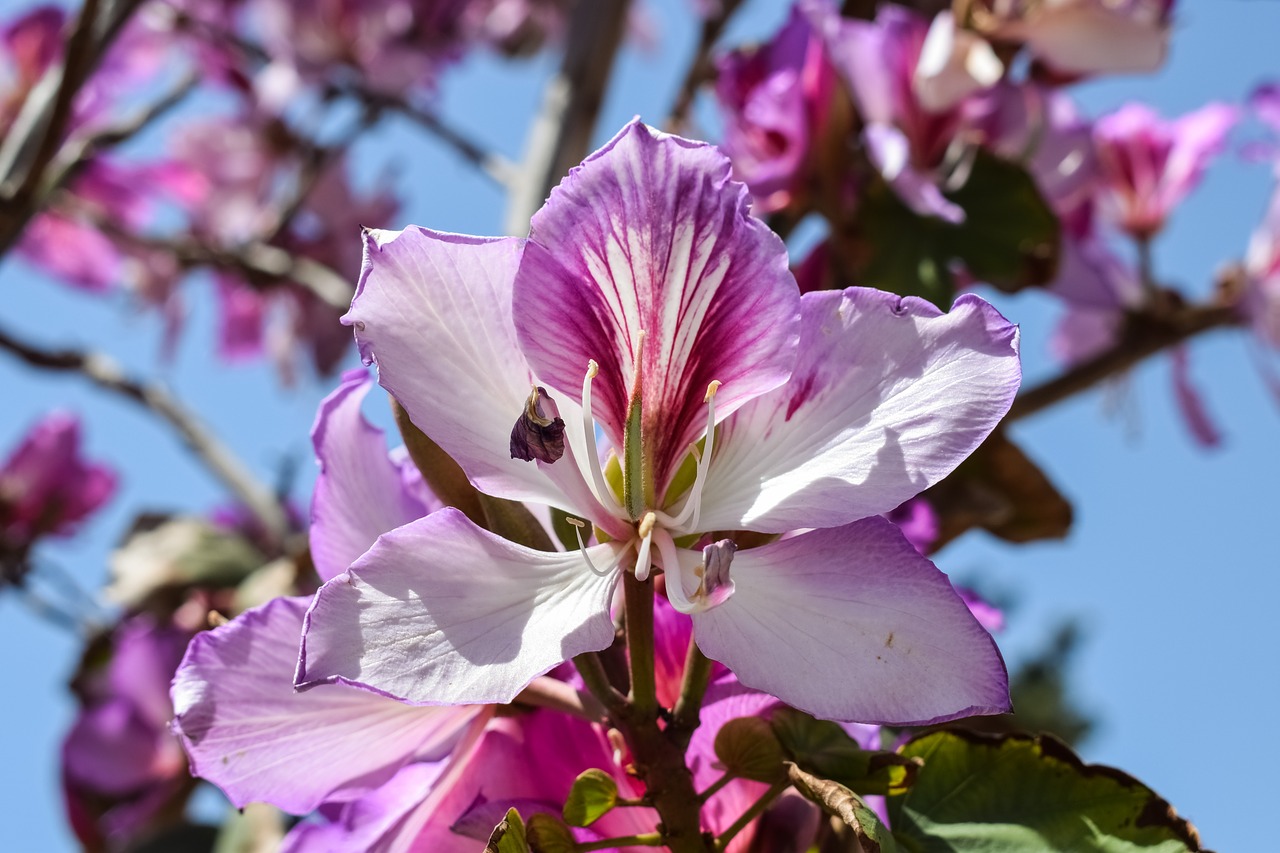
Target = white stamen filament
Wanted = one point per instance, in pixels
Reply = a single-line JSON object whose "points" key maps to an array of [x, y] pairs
{"points": [[642, 558], [594, 473], [688, 518], [578, 524], [668, 553]]}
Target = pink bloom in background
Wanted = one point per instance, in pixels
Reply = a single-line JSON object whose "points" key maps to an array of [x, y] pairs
{"points": [[1078, 37], [915, 84], [775, 100], [120, 764], [459, 328], [46, 487], [1262, 276], [1149, 165]]}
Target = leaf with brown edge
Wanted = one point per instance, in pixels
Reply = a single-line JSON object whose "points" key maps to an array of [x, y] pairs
{"points": [[547, 834], [825, 749], [508, 836], [871, 835], [1017, 792], [999, 489]]}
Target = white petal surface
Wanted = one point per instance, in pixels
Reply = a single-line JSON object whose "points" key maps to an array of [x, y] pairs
{"points": [[360, 493], [250, 733], [441, 612], [890, 394], [851, 623]]}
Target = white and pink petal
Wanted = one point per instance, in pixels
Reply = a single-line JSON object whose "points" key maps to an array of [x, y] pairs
{"points": [[248, 731], [441, 612], [361, 492], [851, 623], [651, 235], [889, 395]]}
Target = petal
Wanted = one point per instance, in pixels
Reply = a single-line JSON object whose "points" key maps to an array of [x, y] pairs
{"points": [[954, 64], [1198, 137], [360, 493], [651, 234], [890, 153], [433, 311], [1088, 38], [441, 612], [852, 624], [890, 394], [247, 730], [1191, 404]]}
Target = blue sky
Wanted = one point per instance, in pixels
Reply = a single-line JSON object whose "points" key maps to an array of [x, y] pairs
{"points": [[1170, 566]]}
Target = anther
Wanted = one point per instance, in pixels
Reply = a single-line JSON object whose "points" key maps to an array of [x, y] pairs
{"points": [[539, 431]]}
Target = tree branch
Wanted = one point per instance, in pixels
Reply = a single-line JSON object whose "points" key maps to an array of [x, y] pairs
{"points": [[102, 371], [699, 69], [1144, 336], [561, 132]]}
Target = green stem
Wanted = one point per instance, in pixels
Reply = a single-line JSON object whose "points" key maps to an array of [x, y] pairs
{"points": [[756, 809], [597, 682], [693, 687], [648, 839], [639, 604], [715, 787]]}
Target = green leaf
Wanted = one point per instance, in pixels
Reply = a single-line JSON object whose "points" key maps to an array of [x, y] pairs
{"points": [[1010, 237], [593, 794], [748, 748], [508, 836], [826, 750], [1022, 793], [546, 834], [872, 835]]}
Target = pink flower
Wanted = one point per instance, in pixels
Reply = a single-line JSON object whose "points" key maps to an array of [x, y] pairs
{"points": [[46, 487], [1149, 165]]}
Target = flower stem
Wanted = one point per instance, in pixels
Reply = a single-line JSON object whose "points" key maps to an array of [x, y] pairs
{"points": [[752, 813], [697, 675], [648, 839], [639, 604], [597, 682], [715, 787]]}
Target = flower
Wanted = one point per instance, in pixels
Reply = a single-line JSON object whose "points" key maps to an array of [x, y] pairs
{"points": [[775, 101], [46, 487], [914, 83], [1150, 165], [647, 300]]}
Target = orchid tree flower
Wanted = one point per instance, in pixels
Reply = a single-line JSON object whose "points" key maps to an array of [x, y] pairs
{"points": [[775, 100], [47, 488], [1149, 165], [648, 303], [914, 83], [234, 707]]}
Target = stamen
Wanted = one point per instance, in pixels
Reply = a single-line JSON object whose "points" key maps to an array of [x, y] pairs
{"points": [[687, 520], [578, 524], [675, 574], [642, 558], [595, 474]]}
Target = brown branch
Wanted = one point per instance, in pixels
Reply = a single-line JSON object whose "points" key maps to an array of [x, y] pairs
{"points": [[561, 132], [1144, 336], [700, 68], [102, 371]]}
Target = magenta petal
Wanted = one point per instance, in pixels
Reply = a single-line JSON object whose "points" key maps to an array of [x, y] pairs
{"points": [[441, 612], [651, 234], [851, 623], [889, 395], [1194, 412], [250, 733], [360, 493]]}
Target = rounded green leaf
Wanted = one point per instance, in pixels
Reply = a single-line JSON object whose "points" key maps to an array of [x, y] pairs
{"points": [[1022, 793], [546, 834], [593, 794], [748, 748]]}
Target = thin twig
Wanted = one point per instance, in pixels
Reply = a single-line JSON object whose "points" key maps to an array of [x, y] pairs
{"points": [[1144, 337], [699, 69], [217, 457], [561, 132], [501, 170]]}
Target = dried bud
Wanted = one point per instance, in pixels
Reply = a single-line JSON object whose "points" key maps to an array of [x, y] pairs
{"points": [[539, 432]]}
